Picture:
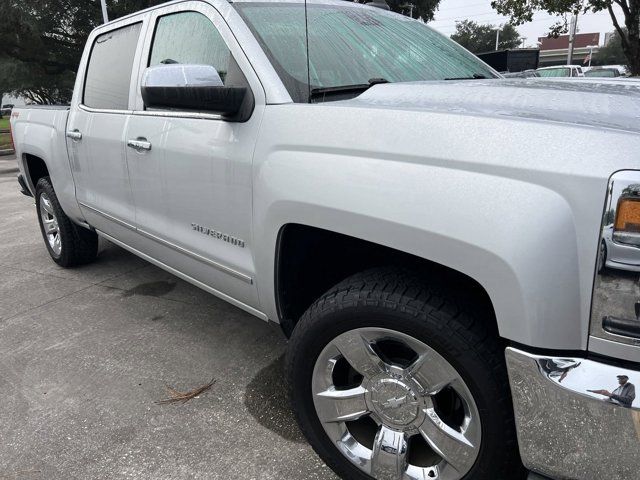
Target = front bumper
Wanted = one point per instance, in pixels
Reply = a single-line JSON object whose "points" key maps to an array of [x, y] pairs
{"points": [[566, 432]]}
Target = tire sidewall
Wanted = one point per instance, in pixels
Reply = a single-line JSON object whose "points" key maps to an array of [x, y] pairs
{"points": [[325, 327]]}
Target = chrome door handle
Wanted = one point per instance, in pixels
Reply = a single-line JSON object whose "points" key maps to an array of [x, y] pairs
{"points": [[74, 134], [139, 144]]}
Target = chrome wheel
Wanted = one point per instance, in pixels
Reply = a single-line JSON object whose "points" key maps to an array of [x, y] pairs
{"points": [[50, 224], [394, 407]]}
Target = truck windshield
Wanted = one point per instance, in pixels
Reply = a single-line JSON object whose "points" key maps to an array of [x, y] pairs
{"points": [[351, 46]]}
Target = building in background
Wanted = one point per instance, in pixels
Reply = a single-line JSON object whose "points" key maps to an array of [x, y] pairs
{"points": [[554, 51]]}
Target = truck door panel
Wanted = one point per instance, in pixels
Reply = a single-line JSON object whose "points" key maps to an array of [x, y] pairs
{"points": [[192, 185], [96, 127]]}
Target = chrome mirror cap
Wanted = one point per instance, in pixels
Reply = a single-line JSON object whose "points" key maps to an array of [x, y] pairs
{"points": [[178, 75]]}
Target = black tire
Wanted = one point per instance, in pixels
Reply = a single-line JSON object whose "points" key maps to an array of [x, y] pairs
{"points": [[400, 301], [602, 257], [78, 245]]}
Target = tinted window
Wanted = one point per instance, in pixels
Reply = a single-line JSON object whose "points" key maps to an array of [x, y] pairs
{"points": [[555, 72], [350, 45], [189, 38], [109, 71]]}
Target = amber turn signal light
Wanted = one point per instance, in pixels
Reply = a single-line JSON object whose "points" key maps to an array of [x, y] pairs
{"points": [[627, 224]]}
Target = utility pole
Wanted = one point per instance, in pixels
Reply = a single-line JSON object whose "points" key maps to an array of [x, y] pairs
{"points": [[497, 38], [591, 47], [572, 37], [105, 15]]}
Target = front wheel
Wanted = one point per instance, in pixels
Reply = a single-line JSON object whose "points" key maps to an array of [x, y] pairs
{"points": [[390, 380]]}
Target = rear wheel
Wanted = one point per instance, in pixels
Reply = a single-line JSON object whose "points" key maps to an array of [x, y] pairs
{"points": [[390, 380], [67, 243]]}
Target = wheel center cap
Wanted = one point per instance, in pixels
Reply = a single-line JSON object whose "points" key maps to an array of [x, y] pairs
{"points": [[393, 400]]}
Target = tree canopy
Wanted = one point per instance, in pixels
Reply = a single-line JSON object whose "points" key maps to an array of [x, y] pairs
{"points": [[611, 53], [424, 9], [41, 43], [479, 38], [521, 11]]}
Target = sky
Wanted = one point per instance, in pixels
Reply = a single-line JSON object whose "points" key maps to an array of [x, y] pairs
{"points": [[480, 11]]}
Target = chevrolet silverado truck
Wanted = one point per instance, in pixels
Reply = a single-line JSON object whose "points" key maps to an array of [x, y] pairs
{"points": [[424, 231]]}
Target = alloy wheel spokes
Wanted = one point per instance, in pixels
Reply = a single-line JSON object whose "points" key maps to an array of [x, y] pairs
{"points": [[357, 350], [45, 205], [431, 372], [384, 397], [454, 447], [388, 459], [341, 405], [50, 224]]}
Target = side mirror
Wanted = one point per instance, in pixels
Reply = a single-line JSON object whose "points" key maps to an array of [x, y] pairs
{"points": [[190, 87]]}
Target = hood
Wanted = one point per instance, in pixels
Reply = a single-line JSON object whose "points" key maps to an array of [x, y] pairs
{"points": [[596, 102]]}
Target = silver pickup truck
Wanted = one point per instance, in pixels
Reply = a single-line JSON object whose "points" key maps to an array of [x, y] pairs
{"points": [[426, 233]]}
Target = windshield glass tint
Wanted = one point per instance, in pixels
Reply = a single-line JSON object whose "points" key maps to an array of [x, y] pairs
{"points": [[350, 45]]}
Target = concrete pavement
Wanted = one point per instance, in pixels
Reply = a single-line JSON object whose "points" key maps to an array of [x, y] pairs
{"points": [[86, 353], [8, 165]]}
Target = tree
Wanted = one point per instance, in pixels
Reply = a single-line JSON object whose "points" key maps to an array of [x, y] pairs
{"points": [[42, 43], [424, 9], [522, 11], [482, 38], [611, 53]]}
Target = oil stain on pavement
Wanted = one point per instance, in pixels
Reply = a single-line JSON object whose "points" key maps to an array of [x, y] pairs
{"points": [[151, 289]]}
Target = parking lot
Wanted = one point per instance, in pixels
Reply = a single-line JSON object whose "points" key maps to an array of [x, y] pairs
{"points": [[86, 354]]}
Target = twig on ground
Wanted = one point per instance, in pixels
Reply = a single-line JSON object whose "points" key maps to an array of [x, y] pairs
{"points": [[182, 397]]}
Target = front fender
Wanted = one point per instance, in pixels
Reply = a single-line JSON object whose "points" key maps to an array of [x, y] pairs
{"points": [[515, 238]]}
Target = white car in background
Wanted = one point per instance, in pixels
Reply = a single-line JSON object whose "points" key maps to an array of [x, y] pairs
{"points": [[561, 71], [617, 255]]}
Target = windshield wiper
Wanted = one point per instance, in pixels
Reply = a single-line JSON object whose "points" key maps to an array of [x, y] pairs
{"points": [[341, 89], [475, 76]]}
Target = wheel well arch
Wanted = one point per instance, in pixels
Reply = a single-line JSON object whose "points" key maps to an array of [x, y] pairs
{"points": [[310, 260], [36, 168]]}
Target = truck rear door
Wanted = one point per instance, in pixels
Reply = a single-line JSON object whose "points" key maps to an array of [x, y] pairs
{"points": [[97, 122]]}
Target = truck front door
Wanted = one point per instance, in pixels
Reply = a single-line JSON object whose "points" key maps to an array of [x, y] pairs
{"points": [[191, 171]]}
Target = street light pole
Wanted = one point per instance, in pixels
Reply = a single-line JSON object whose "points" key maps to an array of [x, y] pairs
{"points": [[591, 47], [105, 15], [572, 37], [497, 38]]}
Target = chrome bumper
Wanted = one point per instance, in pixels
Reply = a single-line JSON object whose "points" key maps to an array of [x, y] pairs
{"points": [[566, 432]]}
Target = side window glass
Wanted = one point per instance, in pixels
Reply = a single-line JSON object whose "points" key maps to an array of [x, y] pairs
{"points": [[190, 38], [109, 71]]}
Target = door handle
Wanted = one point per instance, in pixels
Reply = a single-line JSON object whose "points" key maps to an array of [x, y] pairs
{"points": [[74, 134], [139, 144]]}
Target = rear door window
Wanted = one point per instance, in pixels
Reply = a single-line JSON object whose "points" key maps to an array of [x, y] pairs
{"points": [[110, 66]]}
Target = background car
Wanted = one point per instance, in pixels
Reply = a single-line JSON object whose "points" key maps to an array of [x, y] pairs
{"points": [[602, 72], [616, 255], [6, 109], [561, 71], [524, 74]]}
